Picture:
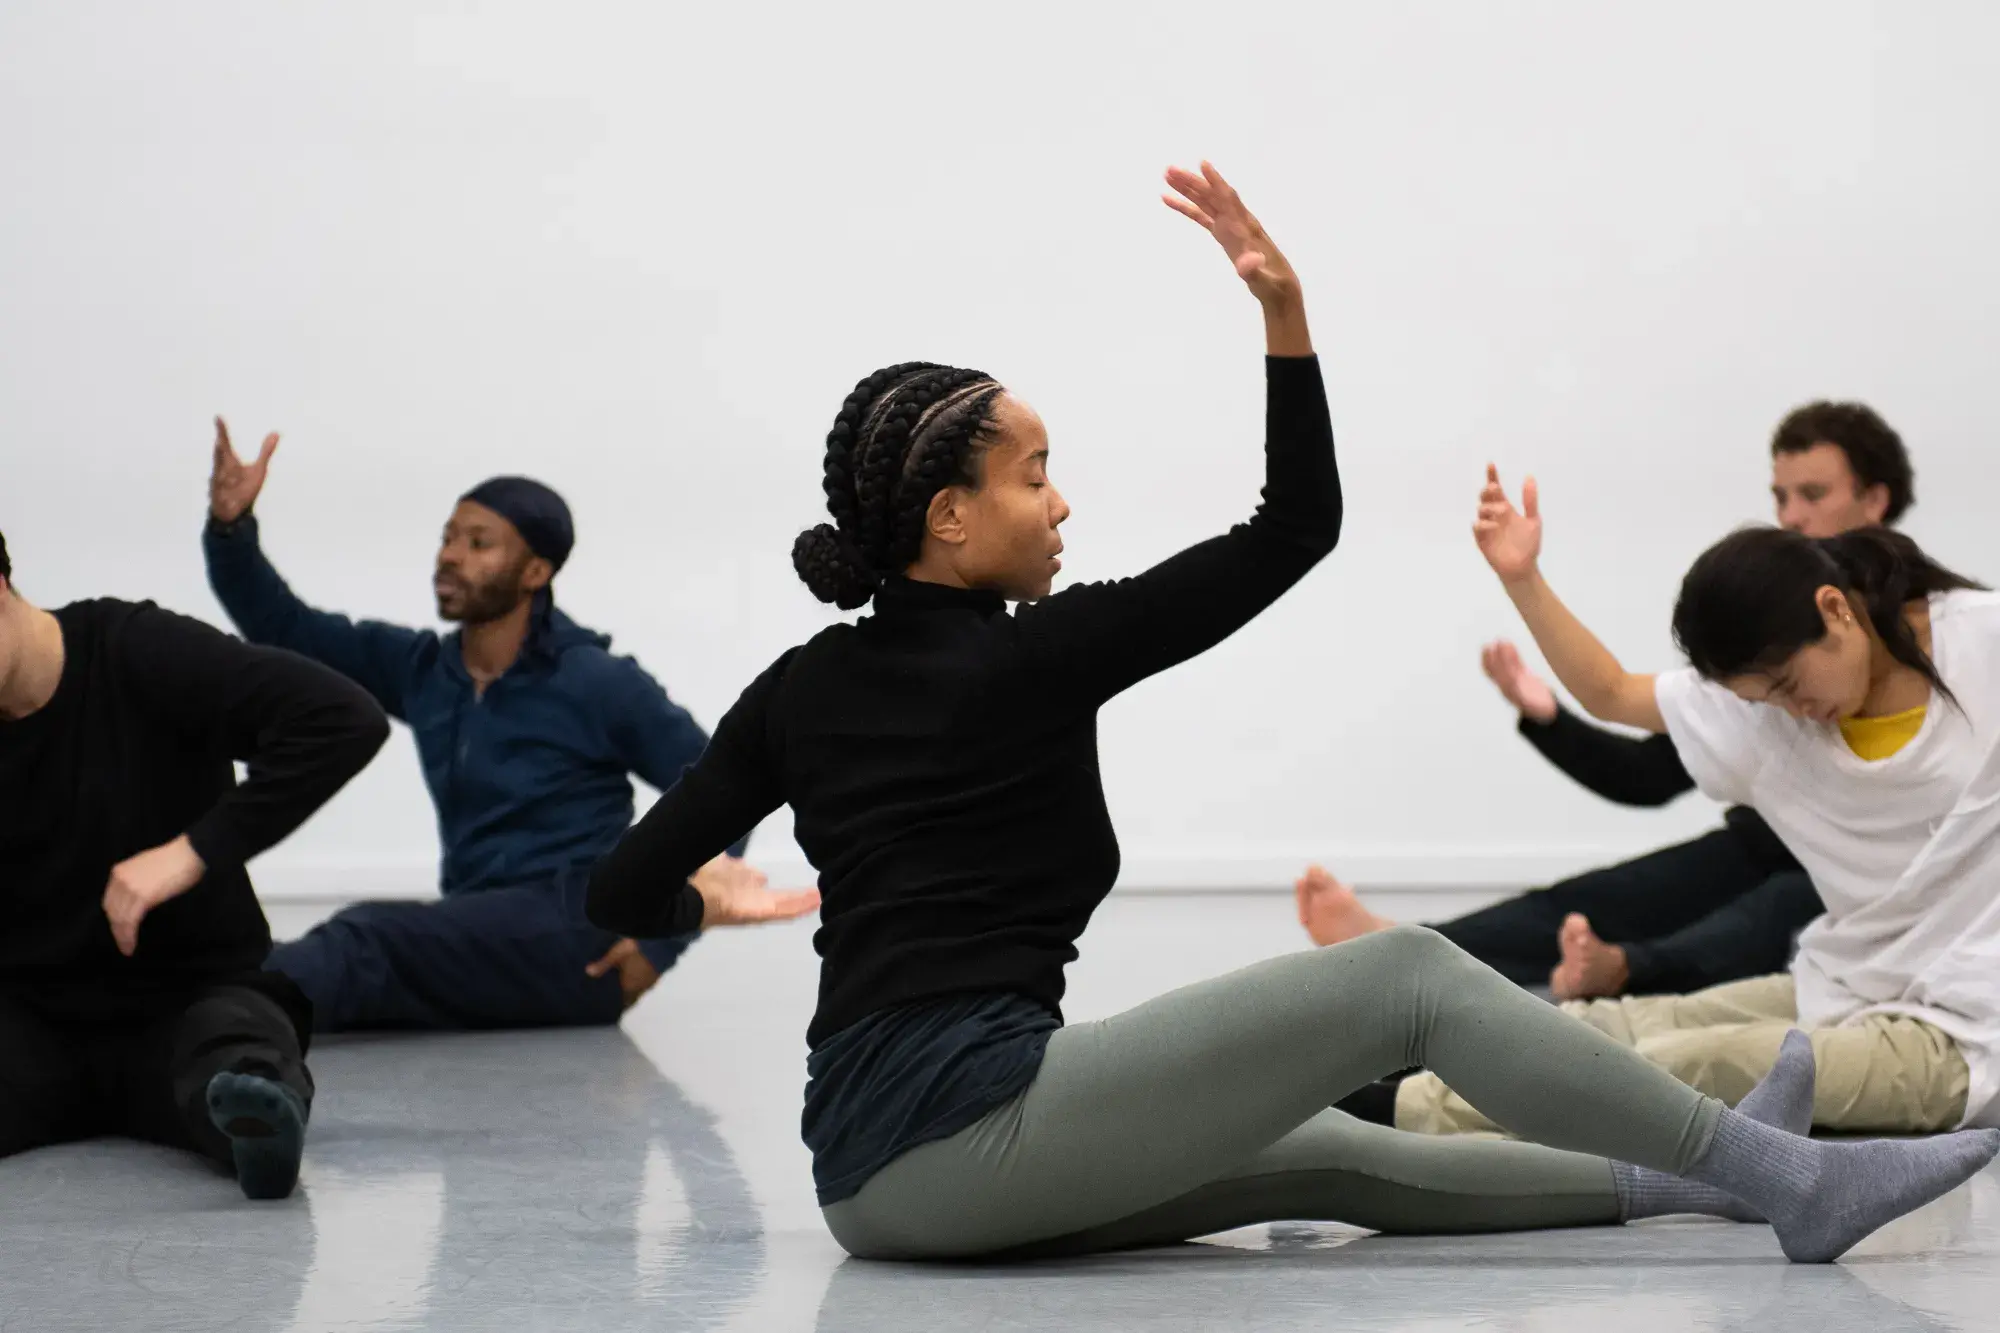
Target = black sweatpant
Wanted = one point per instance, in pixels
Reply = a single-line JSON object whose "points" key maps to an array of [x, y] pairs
{"points": [[1698, 914], [145, 1077]]}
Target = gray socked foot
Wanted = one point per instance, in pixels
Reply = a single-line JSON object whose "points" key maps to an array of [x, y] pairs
{"points": [[1822, 1198], [1782, 1099]]}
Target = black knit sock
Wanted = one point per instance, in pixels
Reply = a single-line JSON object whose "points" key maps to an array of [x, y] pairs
{"points": [[266, 1125]]}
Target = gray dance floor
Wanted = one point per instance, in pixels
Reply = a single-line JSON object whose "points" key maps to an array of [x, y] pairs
{"points": [[651, 1178]]}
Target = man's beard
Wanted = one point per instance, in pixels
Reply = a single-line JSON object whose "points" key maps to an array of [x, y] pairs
{"points": [[480, 603]]}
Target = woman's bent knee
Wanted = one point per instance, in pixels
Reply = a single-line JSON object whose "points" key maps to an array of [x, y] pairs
{"points": [[1417, 948], [1402, 961]]}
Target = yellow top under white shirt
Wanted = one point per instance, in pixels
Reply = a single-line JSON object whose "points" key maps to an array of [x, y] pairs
{"points": [[1874, 738]]}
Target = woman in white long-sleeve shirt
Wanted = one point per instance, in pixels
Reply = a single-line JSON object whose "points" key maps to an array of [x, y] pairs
{"points": [[1848, 689]]}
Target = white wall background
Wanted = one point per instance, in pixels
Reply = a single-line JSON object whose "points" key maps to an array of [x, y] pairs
{"points": [[642, 251]]}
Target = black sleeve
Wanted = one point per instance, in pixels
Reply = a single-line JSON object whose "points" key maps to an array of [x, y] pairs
{"points": [[1629, 770], [641, 887], [1095, 639], [302, 730]]}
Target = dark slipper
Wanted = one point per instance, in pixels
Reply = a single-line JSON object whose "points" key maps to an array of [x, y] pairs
{"points": [[266, 1125]]}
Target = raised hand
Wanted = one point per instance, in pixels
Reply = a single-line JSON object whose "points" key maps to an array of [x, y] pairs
{"points": [[734, 893], [1211, 201], [1529, 693], [141, 883], [233, 484], [1509, 538]]}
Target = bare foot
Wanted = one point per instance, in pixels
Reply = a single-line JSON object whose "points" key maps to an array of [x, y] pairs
{"points": [[1589, 966], [1330, 912]]}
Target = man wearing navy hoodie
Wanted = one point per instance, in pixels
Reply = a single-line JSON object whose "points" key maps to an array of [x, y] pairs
{"points": [[528, 729]]}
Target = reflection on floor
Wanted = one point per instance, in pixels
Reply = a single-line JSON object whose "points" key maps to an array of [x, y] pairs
{"points": [[651, 1178]]}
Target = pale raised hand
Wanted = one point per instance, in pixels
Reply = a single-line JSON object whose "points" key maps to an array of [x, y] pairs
{"points": [[233, 484], [1214, 203], [1529, 693], [1509, 538], [734, 893]]}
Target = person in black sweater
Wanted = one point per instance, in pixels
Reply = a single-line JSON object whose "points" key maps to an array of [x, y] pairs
{"points": [[1722, 907], [133, 999], [940, 759]]}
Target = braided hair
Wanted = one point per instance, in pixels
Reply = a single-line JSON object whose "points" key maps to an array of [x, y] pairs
{"points": [[905, 433]]}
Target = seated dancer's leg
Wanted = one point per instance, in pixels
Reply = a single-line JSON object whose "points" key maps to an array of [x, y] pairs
{"points": [[1887, 1074], [1337, 1169], [1641, 899], [225, 1077], [1426, 1104], [1652, 895], [1750, 937], [1332, 1157], [1633, 1019], [1132, 1112], [44, 1082], [500, 958]]}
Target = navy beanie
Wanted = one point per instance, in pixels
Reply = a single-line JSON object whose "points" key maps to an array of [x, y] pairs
{"points": [[536, 512]]}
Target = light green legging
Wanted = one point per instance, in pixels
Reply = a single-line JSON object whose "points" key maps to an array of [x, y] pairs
{"points": [[1205, 1110]]}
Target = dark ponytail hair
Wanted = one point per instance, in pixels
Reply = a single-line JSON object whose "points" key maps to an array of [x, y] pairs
{"points": [[1749, 602], [905, 433]]}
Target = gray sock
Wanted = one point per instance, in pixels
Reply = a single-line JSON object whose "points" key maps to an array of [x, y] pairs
{"points": [[1822, 1198], [1783, 1099]]}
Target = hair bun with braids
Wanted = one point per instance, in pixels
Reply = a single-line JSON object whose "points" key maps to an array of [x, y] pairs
{"points": [[832, 568], [903, 434]]}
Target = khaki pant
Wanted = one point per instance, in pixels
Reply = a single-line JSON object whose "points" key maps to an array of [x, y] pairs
{"points": [[1886, 1074]]}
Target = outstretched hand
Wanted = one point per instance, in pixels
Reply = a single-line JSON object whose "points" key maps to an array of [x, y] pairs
{"points": [[1214, 203], [1528, 692], [1509, 538], [233, 484], [734, 893]]}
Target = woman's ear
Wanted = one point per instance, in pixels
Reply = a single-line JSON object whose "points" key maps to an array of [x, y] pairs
{"points": [[945, 518], [1834, 606]]}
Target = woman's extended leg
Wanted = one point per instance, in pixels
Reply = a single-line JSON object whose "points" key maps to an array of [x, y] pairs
{"points": [[1888, 1074], [1137, 1110], [1335, 1168]]}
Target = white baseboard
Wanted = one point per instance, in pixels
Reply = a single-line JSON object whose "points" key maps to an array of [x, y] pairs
{"points": [[1474, 869], [1470, 871]]}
